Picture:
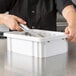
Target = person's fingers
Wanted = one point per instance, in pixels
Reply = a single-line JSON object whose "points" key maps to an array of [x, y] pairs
{"points": [[12, 21], [70, 35], [17, 27], [14, 26], [73, 39], [19, 20], [66, 30]]}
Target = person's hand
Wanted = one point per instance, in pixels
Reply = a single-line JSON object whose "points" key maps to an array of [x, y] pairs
{"points": [[69, 14], [71, 32], [11, 21]]}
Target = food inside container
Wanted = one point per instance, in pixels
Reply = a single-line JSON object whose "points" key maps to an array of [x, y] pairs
{"points": [[35, 34], [31, 32]]}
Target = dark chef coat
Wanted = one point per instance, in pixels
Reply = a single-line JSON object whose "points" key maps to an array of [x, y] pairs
{"points": [[39, 14]]}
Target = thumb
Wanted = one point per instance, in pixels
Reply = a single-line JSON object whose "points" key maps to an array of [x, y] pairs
{"points": [[66, 30], [68, 33]]}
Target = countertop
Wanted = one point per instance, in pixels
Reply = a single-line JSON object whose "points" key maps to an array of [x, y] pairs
{"points": [[12, 64]]}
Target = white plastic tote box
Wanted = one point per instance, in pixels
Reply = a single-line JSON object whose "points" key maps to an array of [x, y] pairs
{"points": [[48, 43]]}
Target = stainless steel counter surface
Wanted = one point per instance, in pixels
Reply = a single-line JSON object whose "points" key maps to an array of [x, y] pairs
{"points": [[12, 64]]}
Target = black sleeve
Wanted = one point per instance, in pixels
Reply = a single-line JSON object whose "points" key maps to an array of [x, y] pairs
{"points": [[6, 5], [74, 2], [61, 4]]}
